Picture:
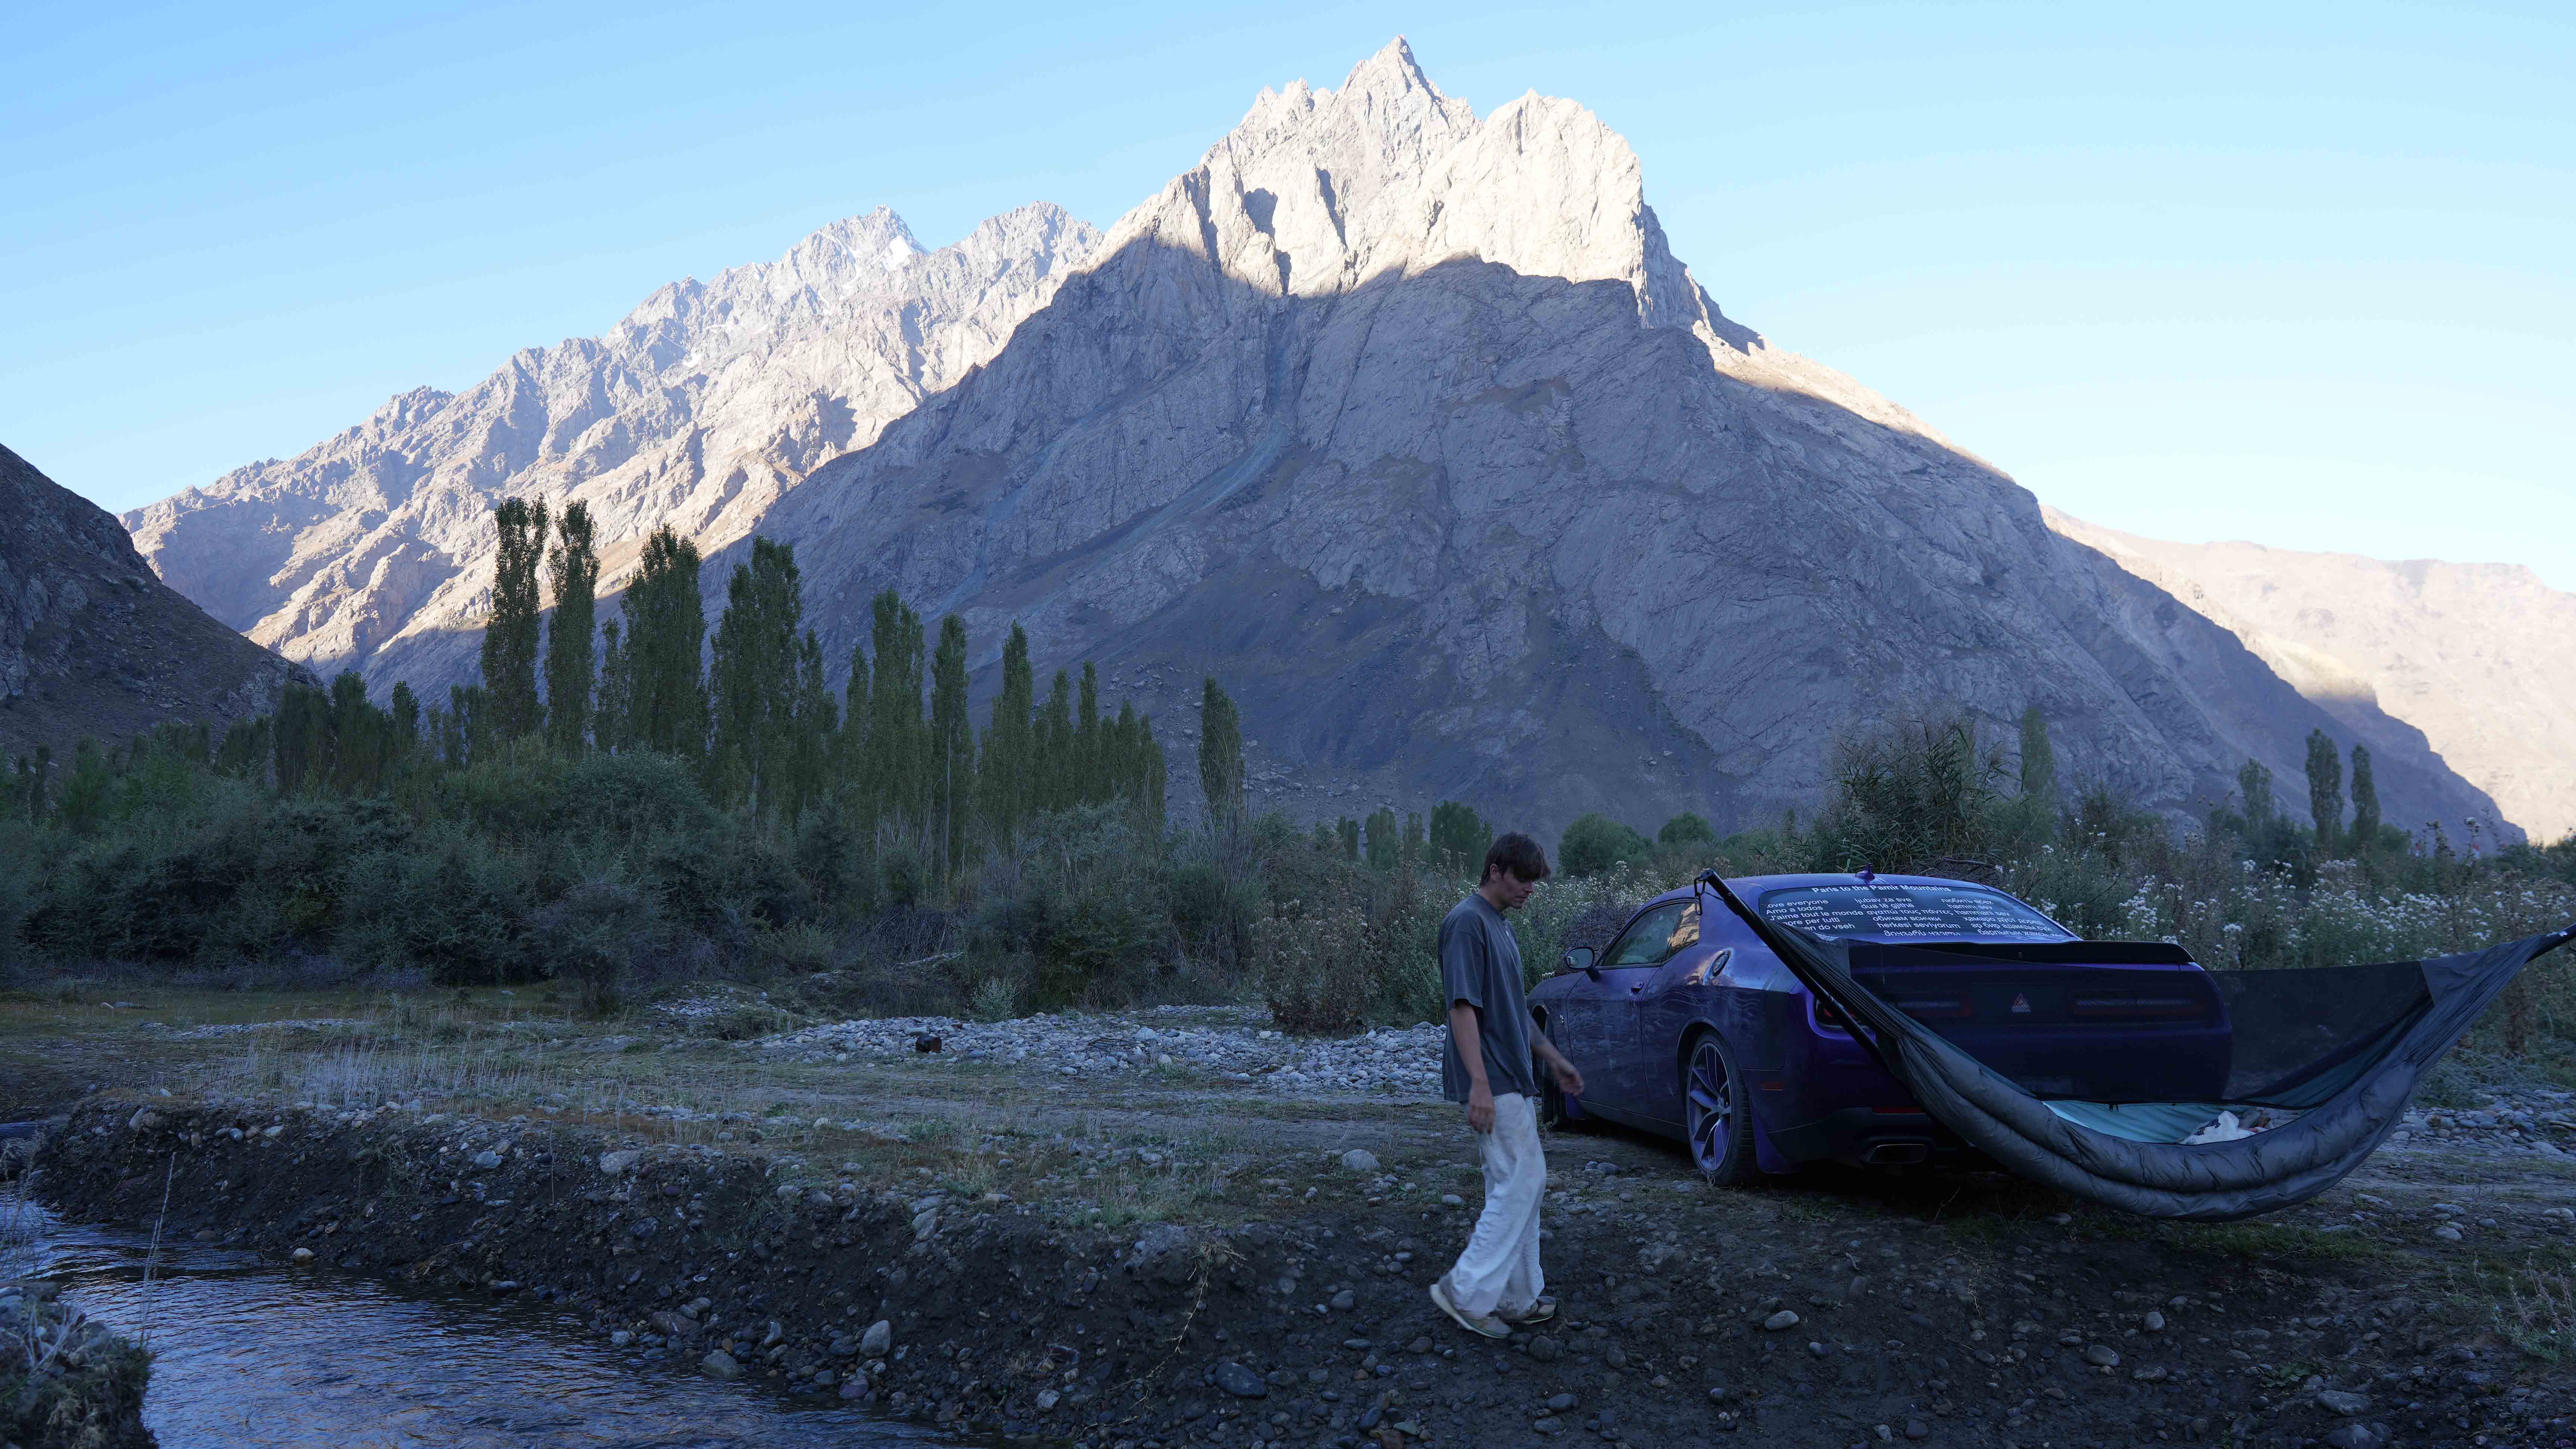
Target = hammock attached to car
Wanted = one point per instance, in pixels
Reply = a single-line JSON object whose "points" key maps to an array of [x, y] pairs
{"points": [[2322, 1064]]}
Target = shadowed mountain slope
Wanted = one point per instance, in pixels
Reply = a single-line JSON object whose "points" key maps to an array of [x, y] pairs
{"points": [[92, 644], [2480, 657]]}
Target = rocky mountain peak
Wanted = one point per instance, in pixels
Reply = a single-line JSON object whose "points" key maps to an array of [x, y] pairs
{"points": [[1318, 191], [699, 409]]}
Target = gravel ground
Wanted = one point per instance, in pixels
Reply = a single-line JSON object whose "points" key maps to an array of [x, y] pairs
{"points": [[1235, 1044], [1238, 1045]]}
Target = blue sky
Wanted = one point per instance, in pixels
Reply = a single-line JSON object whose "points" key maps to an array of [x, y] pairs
{"points": [[2304, 274]]}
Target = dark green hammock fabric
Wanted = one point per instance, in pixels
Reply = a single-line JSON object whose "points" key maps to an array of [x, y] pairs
{"points": [[2347, 1051]]}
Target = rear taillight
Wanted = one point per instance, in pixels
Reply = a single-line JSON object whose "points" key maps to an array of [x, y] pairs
{"points": [[1827, 1016], [2137, 1006], [1937, 1008]]}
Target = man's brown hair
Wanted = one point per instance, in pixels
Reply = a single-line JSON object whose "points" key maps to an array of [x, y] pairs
{"points": [[1518, 854]]}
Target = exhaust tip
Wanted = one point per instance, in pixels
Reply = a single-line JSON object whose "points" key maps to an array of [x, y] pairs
{"points": [[1897, 1154]]}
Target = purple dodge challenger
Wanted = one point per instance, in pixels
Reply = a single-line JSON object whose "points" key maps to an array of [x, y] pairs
{"points": [[1687, 1026]]}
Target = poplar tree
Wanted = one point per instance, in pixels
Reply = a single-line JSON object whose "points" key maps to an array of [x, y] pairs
{"points": [[1349, 831], [1385, 849], [510, 636], [755, 676], [1459, 836], [303, 738], [2325, 790], [616, 690], [1122, 773], [813, 729], [244, 754], [1154, 773], [1090, 751], [573, 569], [1055, 775], [849, 743], [951, 762], [666, 630], [2254, 784], [1009, 743], [2365, 803], [1220, 754], [896, 735], [467, 736], [358, 737], [404, 711]]}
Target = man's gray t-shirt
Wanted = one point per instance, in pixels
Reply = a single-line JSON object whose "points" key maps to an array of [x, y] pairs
{"points": [[1480, 964]]}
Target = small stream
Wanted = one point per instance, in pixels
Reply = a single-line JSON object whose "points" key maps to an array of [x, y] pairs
{"points": [[246, 1353]]}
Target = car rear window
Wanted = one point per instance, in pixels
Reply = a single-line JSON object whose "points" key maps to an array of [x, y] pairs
{"points": [[1908, 912]]}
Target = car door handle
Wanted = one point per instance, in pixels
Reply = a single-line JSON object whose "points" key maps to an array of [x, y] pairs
{"points": [[1633, 990]]}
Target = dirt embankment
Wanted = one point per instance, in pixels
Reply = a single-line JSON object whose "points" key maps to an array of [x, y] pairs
{"points": [[1688, 1317]]}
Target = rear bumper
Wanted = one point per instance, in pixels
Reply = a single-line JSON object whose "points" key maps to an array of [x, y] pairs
{"points": [[1868, 1137]]}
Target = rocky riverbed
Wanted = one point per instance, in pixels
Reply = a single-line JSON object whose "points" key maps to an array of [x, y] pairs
{"points": [[1280, 1300]]}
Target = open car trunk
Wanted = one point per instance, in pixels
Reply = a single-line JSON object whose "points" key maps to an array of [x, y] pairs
{"points": [[2333, 1053]]}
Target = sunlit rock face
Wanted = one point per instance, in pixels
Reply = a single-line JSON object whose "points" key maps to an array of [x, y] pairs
{"points": [[698, 410], [92, 644], [2480, 657], [1405, 424]]}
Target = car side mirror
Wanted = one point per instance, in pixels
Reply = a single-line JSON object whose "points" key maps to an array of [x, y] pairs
{"points": [[1580, 959]]}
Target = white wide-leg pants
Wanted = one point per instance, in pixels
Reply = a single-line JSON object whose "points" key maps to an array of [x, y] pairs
{"points": [[1499, 1271]]}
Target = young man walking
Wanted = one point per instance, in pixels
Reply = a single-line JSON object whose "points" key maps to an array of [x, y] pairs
{"points": [[1496, 1282]]}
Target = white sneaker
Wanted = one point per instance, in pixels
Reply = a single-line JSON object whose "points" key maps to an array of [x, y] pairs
{"points": [[1485, 1324]]}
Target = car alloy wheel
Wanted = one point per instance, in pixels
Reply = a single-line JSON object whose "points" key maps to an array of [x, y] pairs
{"points": [[1716, 1114]]}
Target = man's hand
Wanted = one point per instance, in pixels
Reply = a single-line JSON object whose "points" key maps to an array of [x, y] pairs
{"points": [[1463, 1031], [1569, 1079]]}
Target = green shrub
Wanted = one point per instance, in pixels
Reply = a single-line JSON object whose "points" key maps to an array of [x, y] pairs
{"points": [[1912, 799], [1314, 969], [452, 907], [1687, 831], [803, 948], [995, 998], [590, 938], [1594, 843], [901, 876], [1199, 896]]}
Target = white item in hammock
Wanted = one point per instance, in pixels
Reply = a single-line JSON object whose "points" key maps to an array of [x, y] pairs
{"points": [[2225, 1129]]}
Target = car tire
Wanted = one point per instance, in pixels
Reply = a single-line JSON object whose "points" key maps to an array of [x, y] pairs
{"points": [[1717, 1114]]}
